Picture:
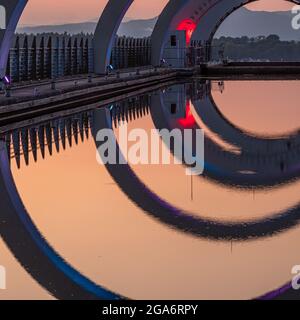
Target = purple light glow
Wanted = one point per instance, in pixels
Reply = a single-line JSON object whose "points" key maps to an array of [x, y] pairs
{"points": [[7, 80]]}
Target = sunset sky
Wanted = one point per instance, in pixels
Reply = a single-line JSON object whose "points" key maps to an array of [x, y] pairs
{"points": [[44, 12]]}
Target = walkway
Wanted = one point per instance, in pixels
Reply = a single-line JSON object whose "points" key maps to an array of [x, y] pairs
{"points": [[44, 88]]}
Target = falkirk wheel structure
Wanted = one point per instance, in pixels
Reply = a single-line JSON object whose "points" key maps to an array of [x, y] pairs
{"points": [[199, 18]]}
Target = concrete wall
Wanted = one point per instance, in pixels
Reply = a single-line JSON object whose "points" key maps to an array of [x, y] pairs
{"points": [[175, 49], [50, 55]]}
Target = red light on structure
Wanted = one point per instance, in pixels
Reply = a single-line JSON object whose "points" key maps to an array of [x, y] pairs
{"points": [[189, 120], [189, 26]]}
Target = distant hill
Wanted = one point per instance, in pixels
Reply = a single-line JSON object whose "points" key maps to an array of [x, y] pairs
{"points": [[250, 23], [256, 23], [137, 28], [134, 28], [72, 28]]}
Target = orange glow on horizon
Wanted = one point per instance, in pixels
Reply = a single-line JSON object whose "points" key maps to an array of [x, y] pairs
{"points": [[45, 12]]}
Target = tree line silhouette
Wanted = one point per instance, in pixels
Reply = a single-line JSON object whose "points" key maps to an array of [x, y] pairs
{"points": [[270, 48]]}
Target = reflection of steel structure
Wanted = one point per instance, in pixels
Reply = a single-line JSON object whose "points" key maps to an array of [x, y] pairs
{"points": [[33, 251], [53, 135], [166, 213], [17, 228], [130, 110], [54, 274], [281, 148], [57, 135], [206, 15], [258, 163], [180, 219]]}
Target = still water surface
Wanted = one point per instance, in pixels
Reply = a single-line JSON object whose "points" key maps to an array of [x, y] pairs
{"points": [[98, 228]]}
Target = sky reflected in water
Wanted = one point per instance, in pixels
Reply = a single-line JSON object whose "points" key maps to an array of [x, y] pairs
{"points": [[85, 216]]}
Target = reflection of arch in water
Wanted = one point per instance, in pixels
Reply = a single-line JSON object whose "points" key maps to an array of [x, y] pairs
{"points": [[32, 250], [41, 258], [164, 212], [139, 193], [213, 118], [230, 168], [75, 121]]}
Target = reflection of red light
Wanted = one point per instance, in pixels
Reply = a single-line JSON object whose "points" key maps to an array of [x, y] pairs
{"points": [[189, 120], [189, 26]]}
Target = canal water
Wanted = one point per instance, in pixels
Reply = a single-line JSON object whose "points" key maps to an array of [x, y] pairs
{"points": [[150, 231]]}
